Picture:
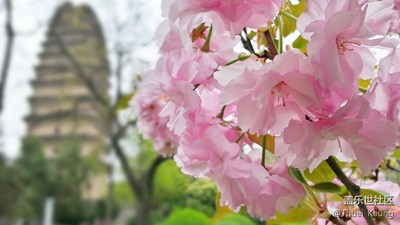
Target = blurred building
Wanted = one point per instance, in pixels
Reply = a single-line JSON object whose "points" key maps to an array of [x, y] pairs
{"points": [[73, 65]]}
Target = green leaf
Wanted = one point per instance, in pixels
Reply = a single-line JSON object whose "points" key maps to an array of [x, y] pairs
{"points": [[222, 211], [323, 173], [251, 35], [300, 214], [124, 101], [296, 223], [186, 217], [234, 219], [336, 197], [169, 182], [296, 175], [372, 192], [327, 187], [396, 153], [300, 43], [289, 26]]}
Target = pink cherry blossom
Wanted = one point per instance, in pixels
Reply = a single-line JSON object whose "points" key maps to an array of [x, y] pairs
{"points": [[395, 24], [233, 14], [379, 17], [201, 149], [355, 130], [147, 106], [339, 34], [175, 41], [206, 151], [241, 180], [258, 93], [214, 107], [279, 193], [384, 91]]}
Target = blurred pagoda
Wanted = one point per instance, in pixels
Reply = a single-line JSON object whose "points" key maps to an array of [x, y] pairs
{"points": [[63, 106]]}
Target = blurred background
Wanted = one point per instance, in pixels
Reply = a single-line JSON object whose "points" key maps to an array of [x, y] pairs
{"points": [[70, 153], [69, 150]]}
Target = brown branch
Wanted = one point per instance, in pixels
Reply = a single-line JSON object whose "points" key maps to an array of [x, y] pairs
{"points": [[351, 187], [151, 172], [336, 220], [133, 182], [390, 167], [118, 74], [7, 53], [109, 203], [271, 45]]}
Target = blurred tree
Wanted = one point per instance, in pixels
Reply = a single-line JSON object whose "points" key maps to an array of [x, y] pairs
{"points": [[9, 189], [32, 172], [201, 195], [36, 178]]}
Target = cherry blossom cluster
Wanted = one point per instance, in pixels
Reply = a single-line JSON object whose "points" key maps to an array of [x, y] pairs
{"points": [[243, 119]]}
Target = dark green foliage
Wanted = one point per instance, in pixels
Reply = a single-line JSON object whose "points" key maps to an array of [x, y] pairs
{"points": [[32, 172], [201, 195], [33, 178], [235, 219], [170, 183], [9, 188], [186, 217]]}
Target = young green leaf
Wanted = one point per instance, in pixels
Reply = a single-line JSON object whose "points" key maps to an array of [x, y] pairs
{"points": [[327, 187], [323, 173], [296, 175]]}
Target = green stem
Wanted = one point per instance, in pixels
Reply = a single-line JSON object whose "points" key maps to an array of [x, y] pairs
{"points": [[240, 58], [351, 187], [221, 114], [288, 15], [311, 192], [280, 47], [264, 146]]}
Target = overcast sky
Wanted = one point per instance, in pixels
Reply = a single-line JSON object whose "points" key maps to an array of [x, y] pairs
{"points": [[31, 18]]}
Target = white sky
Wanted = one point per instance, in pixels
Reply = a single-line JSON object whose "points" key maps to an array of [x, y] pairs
{"points": [[31, 18]]}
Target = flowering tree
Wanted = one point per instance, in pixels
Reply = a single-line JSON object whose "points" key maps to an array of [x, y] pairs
{"points": [[289, 108]]}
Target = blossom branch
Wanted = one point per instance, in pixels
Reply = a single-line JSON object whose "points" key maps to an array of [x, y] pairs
{"points": [[271, 45], [264, 146], [240, 137], [247, 43], [351, 187], [335, 220]]}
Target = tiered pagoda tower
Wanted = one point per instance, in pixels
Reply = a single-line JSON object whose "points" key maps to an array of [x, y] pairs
{"points": [[63, 107]]}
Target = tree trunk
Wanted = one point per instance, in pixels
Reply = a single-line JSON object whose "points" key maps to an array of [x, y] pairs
{"points": [[110, 204], [143, 213]]}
